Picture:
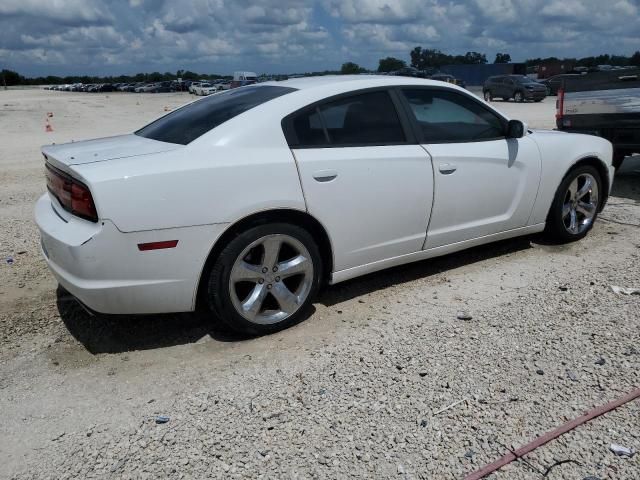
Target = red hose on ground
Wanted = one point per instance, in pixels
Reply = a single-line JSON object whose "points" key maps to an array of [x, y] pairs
{"points": [[547, 437]]}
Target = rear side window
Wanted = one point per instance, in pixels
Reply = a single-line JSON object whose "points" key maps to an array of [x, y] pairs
{"points": [[446, 117], [190, 122], [363, 119]]}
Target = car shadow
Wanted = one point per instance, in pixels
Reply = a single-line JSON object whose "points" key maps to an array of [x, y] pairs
{"points": [[419, 270], [124, 333], [626, 183]]}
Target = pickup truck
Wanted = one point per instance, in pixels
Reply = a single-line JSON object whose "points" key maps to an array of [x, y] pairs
{"points": [[606, 104]]}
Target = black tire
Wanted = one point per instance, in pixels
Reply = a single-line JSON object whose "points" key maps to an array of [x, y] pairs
{"points": [[488, 96], [555, 229], [218, 289], [539, 100]]}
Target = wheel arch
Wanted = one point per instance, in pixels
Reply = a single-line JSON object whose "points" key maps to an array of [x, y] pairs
{"points": [[599, 165], [285, 215]]}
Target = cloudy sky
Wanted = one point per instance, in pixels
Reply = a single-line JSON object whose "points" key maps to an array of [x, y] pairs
{"points": [[39, 37]]}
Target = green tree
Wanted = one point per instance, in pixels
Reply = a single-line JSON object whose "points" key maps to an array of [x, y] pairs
{"points": [[9, 77], [502, 58], [351, 68], [391, 64], [475, 58], [635, 59]]}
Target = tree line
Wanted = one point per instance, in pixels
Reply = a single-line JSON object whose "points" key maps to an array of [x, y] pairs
{"points": [[10, 78], [421, 59], [433, 59]]}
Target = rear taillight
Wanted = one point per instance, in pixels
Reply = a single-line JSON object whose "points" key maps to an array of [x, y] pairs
{"points": [[560, 105], [73, 195]]}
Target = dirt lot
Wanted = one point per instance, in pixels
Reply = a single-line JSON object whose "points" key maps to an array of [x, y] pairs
{"points": [[356, 390]]}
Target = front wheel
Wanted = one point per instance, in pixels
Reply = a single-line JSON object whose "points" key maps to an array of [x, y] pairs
{"points": [[265, 279], [575, 205], [487, 96]]}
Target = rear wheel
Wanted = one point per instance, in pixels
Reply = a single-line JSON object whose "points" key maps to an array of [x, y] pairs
{"points": [[518, 97], [265, 279], [575, 205]]}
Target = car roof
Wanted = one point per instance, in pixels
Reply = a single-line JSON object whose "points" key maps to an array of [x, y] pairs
{"points": [[351, 82]]}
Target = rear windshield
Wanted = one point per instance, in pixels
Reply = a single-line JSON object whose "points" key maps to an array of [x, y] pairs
{"points": [[193, 120]]}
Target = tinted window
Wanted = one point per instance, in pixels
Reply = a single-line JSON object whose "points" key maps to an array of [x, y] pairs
{"points": [[309, 129], [188, 123], [365, 119], [524, 79], [451, 117]]}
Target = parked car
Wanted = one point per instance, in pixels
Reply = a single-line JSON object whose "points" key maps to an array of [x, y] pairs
{"points": [[207, 206], [193, 86], [606, 104], [408, 72], [519, 87], [163, 87], [132, 87], [211, 89], [146, 88], [445, 77], [554, 83], [198, 89]]}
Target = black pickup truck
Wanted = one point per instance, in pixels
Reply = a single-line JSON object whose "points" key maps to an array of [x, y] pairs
{"points": [[606, 104]]}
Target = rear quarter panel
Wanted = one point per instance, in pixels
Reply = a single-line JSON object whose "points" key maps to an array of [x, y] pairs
{"points": [[559, 152], [205, 184]]}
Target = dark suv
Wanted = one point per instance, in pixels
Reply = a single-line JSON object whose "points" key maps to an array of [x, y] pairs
{"points": [[518, 87]]}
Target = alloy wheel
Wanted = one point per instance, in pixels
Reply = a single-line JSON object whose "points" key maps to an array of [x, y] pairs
{"points": [[518, 97], [271, 279], [580, 204]]}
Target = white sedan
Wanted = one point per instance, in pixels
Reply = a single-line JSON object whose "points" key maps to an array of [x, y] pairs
{"points": [[247, 201]]}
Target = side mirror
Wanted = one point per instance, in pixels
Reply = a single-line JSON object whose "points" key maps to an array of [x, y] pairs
{"points": [[516, 129]]}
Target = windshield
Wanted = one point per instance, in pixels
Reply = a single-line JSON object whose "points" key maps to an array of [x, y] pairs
{"points": [[191, 121], [523, 79]]}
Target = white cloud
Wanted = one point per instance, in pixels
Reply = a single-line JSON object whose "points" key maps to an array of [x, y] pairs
{"points": [[60, 36]]}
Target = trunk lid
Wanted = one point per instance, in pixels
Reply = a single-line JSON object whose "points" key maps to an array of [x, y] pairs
{"points": [[103, 149]]}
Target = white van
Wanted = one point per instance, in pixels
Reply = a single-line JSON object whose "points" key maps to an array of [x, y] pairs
{"points": [[243, 78]]}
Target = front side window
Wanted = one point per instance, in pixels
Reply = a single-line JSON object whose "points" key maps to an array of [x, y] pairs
{"points": [[363, 119], [193, 120], [446, 117]]}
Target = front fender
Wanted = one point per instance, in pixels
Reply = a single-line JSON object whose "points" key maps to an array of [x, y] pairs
{"points": [[560, 152]]}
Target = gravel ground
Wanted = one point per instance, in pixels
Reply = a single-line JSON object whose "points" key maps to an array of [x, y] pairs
{"points": [[358, 390]]}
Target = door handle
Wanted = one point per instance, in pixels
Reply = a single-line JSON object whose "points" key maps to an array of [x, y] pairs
{"points": [[447, 168], [324, 176]]}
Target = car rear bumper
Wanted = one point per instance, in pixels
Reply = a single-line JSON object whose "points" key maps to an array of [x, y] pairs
{"points": [[107, 272]]}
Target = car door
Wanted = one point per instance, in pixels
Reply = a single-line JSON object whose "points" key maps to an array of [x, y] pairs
{"points": [[485, 183], [364, 176], [498, 87]]}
